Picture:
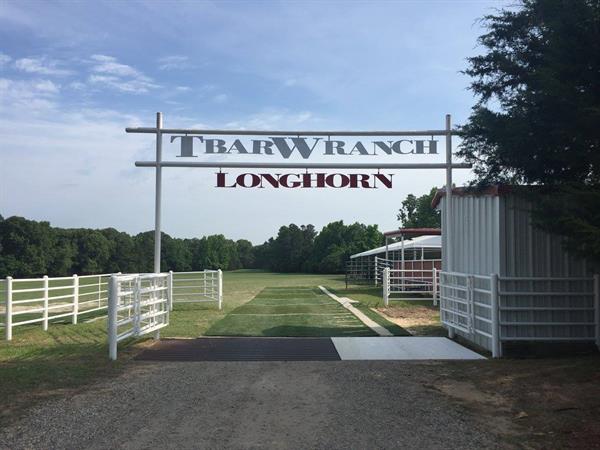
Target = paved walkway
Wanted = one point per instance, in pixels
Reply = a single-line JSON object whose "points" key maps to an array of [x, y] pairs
{"points": [[248, 405]]}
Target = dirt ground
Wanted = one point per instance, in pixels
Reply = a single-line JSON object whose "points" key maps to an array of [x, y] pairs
{"points": [[534, 404], [542, 403], [417, 320]]}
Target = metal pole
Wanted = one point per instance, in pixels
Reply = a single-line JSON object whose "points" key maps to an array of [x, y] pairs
{"points": [[448, 191], [170, 291], [220, 287], [75, 298], [8, 309], [45, 313], [386, 286], [113, 302], [597, 307], [402, 259], [434, 287], [158, 192], [386, 248], [495, 304]]}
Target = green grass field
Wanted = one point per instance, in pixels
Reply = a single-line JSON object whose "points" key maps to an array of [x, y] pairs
{"points": [[37, 363], [290, 311]]}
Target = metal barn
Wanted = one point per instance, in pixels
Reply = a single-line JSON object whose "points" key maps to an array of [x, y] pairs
{"points": [[504, 280]]}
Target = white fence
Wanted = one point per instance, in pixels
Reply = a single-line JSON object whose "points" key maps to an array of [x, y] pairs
{"points": [[410, 285], [197, 287], [49, 299], [138, 304], [490, 310], [42, 300]]}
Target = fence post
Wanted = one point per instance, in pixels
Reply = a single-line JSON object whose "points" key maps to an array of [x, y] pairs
{"points": [[495, 304], [45, 323], [75, 298], [220, 293], [170, 290], [434, 282], [113, 304], [386, 286], [8, 309], [597, 307], [376, 271]]}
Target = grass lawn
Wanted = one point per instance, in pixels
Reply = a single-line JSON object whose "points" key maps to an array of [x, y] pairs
{"points": [[37, 363], [290, 311]]}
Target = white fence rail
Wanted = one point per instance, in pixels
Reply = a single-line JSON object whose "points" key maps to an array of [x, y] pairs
{"points": [[410, 285], [197, 287], [43, 300], [138, 304], [504, 309]]}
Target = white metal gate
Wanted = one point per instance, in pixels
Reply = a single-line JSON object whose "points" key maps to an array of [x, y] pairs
{"points": [[137, 305]]}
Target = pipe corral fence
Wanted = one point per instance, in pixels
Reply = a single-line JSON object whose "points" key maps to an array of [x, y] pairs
{"points": [[47, 300]]}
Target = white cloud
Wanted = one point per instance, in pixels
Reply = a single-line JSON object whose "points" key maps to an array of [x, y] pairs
{"points": [[40, 66], [30, 95], [175, 62], [4, 59], [107, 71], [133, 86]]}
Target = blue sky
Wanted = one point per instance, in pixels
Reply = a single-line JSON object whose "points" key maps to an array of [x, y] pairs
{"points": [[73, 75]]}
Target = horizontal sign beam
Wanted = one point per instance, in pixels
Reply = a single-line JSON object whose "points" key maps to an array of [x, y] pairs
{"points": [[289, 133], [300, 165]]}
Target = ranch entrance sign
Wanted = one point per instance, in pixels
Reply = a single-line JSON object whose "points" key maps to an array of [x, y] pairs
{"points": [[301, 146]]}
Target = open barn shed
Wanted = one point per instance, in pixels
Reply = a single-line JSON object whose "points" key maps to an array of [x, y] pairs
{"points": [[414, 250], [506, 281]]}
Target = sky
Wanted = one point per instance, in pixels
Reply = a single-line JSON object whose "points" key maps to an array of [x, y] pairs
{"points": [[74, 75]]}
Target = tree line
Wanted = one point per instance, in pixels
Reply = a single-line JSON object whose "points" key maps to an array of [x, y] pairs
{"points": [[30, 248]]}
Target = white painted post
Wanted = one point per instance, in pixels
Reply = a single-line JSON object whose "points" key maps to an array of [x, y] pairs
{"points": [[220, 287], [435, 286], [386, 286], [158, 193], [376, 272], [8, 309], [45, 322], [170, 290], [402, 261], [75, 298], [597, 307], [448, 211], [113, 304], [495, 304]]}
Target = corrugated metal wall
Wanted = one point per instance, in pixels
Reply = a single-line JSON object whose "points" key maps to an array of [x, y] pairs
{"points": [[474, 247], [492, 234], [527, 251]]}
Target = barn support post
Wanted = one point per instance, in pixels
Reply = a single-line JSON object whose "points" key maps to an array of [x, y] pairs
{"points": [[597, 307], [495, 305], [8, 309]]}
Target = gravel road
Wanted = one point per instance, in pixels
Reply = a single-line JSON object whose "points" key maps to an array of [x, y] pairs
{"points": [[344, 404]]}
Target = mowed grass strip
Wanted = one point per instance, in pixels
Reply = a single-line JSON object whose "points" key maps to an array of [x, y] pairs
{"points": [[294, 311]]}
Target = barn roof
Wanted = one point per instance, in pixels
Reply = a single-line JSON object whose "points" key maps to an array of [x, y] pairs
{"points": [[420, 242], [495, 190]]}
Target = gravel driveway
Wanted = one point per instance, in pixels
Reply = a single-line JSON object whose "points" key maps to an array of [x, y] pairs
{"points": [[345, 404]]}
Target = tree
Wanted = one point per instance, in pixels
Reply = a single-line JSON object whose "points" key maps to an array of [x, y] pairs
{"points": [[417, 212], [537, 114]]}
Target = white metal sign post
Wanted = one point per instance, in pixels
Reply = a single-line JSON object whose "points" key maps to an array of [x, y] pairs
{"points": [[277, 141]]}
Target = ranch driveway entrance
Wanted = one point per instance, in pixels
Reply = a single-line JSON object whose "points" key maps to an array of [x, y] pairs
{"points": [[259, 404]]}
